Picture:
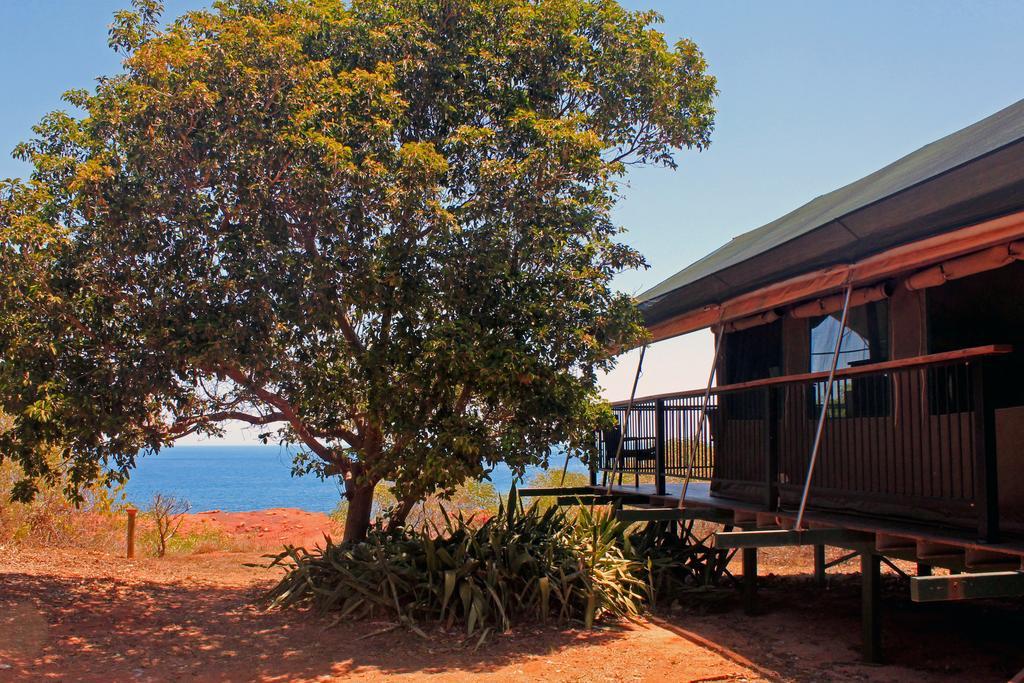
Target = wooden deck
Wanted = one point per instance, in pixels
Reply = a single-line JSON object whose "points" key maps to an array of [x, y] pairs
{"points": [[895, 538], [977, 569]]}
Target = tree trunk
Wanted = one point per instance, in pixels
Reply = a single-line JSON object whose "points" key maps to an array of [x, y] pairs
{"points": [[400, 512], [360, 506]]}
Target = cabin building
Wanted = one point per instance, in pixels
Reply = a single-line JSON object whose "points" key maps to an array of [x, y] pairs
{"points": [[921, 449]]}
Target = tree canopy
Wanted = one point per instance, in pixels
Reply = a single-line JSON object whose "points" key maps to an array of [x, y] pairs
{"points": [[379, 229]]}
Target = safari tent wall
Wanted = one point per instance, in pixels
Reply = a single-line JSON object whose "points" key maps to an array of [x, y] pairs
{"points": [[922, 472]]}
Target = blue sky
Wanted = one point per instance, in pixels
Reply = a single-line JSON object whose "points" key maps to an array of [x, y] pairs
{"points": [[813, 95]]}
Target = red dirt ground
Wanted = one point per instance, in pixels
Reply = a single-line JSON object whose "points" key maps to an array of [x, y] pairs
{"points": [[270, 528], [90, 616]]}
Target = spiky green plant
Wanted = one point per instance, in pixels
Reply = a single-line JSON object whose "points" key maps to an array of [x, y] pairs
{"points": [[528, 563]]}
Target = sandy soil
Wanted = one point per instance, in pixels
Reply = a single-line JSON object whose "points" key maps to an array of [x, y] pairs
{"points": [[268, 529], [90, 616]]}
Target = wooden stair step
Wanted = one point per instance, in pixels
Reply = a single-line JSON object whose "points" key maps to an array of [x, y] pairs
{"points": [[967, 586]]}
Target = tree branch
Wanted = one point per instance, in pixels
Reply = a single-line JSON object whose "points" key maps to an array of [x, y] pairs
{"points": [[190, 425], [288, 414]]}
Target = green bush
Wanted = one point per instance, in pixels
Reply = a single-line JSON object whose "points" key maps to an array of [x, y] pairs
{"points": [[533, 564], [472, 498]]}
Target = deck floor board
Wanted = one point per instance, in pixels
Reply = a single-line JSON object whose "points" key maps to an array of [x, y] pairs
{"points": [[699, 494]]}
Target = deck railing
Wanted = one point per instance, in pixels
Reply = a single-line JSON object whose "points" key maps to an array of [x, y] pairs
{"points": [[908, 438]]}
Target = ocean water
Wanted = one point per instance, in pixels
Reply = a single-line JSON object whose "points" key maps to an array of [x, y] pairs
{"points": [[240, 478]]}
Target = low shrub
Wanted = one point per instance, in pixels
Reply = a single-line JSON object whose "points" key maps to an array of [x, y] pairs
{"points": [[681, 563], [50, 519], [535, 564], [167, 513]]}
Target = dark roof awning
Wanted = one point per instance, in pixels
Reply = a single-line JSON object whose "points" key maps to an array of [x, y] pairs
{"points": [[969, 176]]}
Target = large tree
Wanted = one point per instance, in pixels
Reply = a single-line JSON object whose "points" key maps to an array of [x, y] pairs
{"points": [[378, 229]]}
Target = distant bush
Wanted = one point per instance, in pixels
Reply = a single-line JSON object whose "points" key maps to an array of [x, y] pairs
{"points": [[51, 519], [478, 498]]}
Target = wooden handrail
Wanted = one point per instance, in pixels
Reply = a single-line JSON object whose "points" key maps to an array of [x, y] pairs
{"points": [[900, 364]]}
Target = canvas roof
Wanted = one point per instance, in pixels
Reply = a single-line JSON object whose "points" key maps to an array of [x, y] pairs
{"points": [[972, 174]]}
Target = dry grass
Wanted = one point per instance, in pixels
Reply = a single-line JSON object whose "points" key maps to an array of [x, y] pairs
{"points": [[99, 523], [53, 521]]}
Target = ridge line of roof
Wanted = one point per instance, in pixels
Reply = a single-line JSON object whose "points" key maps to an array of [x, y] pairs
{"points": [[1013, 113]]}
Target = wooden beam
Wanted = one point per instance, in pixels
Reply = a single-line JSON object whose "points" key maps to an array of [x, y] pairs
{"points": [[844, 538], [967, 586], [555, 491], [715, 515], [841, 559], [648, 514], [941, 555], [986, 493], [601, 499]]}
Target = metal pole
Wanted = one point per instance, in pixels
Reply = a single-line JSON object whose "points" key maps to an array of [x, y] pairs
{"points": [[625, 419], [703, 417], [565, 468], [824, 409]]}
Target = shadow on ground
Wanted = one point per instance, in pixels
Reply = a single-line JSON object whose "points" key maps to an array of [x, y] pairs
{"points": [[53, 627], [803, 633], [59, 625]]}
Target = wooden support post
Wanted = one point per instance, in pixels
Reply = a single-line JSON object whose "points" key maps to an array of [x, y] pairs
{"points": [[924, 569], [131, 532], [819, 565], [659, 446], [771, 447], [750, 580], [871, 607], [986, 493]]}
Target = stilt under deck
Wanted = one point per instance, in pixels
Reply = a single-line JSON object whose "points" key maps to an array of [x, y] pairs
{"points": [[977, 569]]}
